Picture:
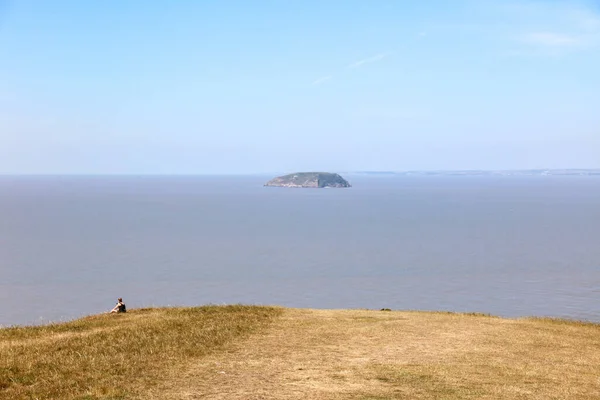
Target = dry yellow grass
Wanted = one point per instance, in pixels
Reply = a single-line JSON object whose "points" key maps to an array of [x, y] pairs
{"points": [[310, 354], [326, 354], [116, 356]]}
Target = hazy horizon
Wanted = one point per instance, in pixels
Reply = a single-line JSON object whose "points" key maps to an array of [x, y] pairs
{"points": [[270, 173], [138, 88]]}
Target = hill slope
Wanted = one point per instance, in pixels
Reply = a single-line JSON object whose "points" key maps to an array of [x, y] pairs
{"points": [[237, 352]]}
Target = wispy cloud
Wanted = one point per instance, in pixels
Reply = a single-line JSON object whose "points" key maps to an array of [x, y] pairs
{"points": [[551, 39], [369, 60], [587, 20], [531, 27], [357, 64], [568, 26], [557, 44], [321, 80]]}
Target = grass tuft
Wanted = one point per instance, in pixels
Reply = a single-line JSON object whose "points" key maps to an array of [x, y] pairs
{"points": [[564, 321]]}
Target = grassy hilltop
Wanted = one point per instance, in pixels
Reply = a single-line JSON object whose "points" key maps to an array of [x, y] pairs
{"points": [[247, 352]]}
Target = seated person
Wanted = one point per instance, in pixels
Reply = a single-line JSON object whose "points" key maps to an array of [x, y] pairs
{"points": [[120, 307]]}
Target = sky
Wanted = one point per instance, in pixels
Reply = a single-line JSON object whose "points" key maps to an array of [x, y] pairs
{"points": [[243, 87]]}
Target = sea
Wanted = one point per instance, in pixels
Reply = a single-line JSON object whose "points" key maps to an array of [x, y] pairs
{"points": [[512, 246]]}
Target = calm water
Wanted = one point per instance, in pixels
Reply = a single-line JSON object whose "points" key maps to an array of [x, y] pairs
{"points": [[510, 246]]}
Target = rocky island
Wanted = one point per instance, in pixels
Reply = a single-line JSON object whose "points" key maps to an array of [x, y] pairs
{"points": [[309, 180]]}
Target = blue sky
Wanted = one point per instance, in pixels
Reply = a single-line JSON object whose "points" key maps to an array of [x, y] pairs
{"points": [[205, 87]]}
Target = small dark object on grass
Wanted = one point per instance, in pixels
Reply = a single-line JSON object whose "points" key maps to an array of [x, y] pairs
{"points": [[386, 309]]}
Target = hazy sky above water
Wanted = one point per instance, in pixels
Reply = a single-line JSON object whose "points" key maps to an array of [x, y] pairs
{"points": [[260, 86]]}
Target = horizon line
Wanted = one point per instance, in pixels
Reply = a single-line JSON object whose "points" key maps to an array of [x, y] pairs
{"points": [[401, 171]]}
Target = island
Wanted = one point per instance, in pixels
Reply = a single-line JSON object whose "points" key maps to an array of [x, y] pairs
{"points": [[310, 180]]}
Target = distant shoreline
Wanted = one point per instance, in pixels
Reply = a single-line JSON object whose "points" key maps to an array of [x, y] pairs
{"points": [[473, 172], [522, 172]]}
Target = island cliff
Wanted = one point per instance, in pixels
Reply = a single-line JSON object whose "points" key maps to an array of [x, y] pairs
{"points": [[310, 180]]}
